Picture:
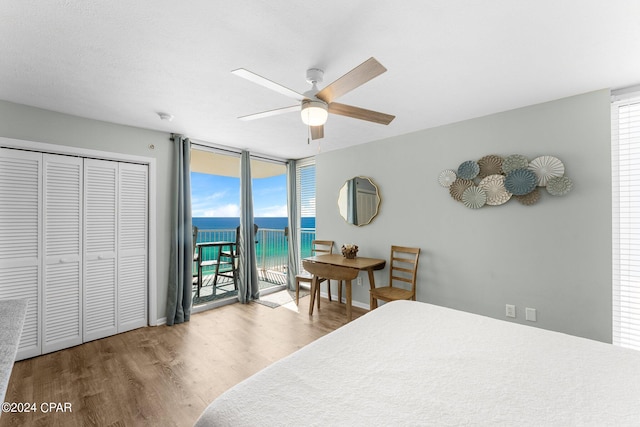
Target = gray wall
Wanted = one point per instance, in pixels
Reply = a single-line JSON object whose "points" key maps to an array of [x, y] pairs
{"points": [[33, 124], [554, 256]]}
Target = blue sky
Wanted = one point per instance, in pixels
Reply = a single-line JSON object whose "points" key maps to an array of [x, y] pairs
{"points": [[219, 196]]}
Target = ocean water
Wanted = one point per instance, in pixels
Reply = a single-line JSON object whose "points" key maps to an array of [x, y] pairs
{"points": [[268, 252]]}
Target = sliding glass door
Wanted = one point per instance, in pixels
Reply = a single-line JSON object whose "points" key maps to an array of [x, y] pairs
{"points": [[215, 200]]}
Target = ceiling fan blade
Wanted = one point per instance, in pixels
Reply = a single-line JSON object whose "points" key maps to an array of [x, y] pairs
{"points": [[358, 76], [253, 77], [360, 113], [270, 113], [317, 132]]}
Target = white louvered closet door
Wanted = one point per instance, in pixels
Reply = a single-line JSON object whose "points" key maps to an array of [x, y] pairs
{"points": [[62, 244], [20, 239], [132, 246], [100, 249]]}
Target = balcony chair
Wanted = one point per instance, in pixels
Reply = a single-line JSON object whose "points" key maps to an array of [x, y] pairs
{"points": [[229, 258], [318, 247], [403, 269]]}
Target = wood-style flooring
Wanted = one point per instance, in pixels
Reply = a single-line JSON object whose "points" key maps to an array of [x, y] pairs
{"points": [[163, 376]]}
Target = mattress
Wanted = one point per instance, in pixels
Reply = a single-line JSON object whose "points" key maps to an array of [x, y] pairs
{"points": [[411, 363]]}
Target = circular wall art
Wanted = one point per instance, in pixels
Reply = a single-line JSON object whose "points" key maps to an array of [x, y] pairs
{"points": [[490, 165], [520, 181], [447, 177], [529, 198], [468, 169], [545, 168], [559, 185], [513, 162], [458, 186], [493, 186], [493, 180], [474, 197]]}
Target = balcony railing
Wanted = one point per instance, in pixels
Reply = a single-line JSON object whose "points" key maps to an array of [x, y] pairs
{"points": [[272, 250]]}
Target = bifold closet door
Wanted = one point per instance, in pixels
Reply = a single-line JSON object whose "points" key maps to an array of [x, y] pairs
{"points": [[100, 248], [62, 245], [20, 239], [132, 246], [115, 253]]}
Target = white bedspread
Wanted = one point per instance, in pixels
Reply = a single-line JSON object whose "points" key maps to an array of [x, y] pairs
{"points": [[410, 363]]}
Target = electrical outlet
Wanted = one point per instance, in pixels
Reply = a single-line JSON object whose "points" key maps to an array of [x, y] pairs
{"points": [[359, 281], [510, 310], [530, 314]]}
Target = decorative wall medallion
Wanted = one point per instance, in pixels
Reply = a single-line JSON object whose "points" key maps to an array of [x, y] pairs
{"points": [[513, 162], [468, 169], [529, 198], [559, 185], [474, 197], [447, 177], [490, 165], [493, 186], [546, 167], [520, 181], [494, 180], [458, 186]]}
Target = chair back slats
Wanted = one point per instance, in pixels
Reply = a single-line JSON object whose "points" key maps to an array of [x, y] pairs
{"points": [[404, 266], [319, 247], [402, 279]]}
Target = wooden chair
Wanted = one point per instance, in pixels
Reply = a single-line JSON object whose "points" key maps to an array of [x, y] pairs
{"points": [[403, 269], [337, 272], [318, 247]]}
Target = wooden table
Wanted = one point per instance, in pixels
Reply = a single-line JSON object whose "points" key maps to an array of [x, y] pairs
{"points": [[202, 263], [360, 263]]}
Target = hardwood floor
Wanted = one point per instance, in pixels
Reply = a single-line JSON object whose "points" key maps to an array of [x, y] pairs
{"points": [[163, 376]]}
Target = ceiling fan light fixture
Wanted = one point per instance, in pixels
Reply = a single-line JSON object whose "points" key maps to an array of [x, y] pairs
{"points": [[314, 113]]}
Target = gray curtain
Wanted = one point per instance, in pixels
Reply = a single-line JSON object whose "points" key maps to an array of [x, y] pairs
{"points": [[247, 271], [181, 256], [292, 208]]}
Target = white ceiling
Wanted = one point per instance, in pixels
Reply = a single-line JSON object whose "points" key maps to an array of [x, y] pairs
{"points": [[123, 61]]}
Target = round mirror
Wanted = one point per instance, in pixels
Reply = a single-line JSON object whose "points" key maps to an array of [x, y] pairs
{"points": [[359, 200]]}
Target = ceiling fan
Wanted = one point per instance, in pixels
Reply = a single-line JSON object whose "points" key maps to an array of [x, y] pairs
{"points": [[315, 105]]}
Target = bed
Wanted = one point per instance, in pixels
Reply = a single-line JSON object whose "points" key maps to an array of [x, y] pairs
{"points": [[411, 363]]}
